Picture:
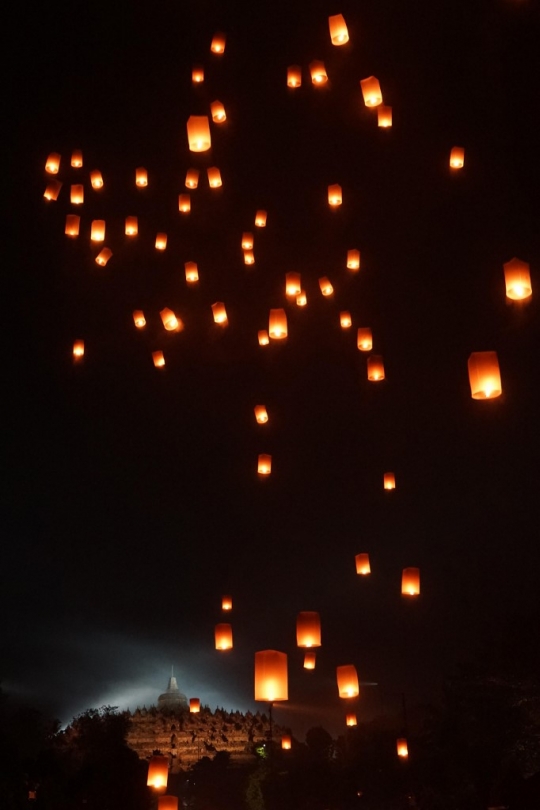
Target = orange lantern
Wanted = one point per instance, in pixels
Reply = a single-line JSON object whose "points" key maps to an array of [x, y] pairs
{"points": [[226, 603], [271, 682], [384, 116], [410, 582], [53, 190], [294, 76], [362, 564], [159, 359], [184, 203], [375, 368], [484, 375], [170, 321], [293, 287], [353, 259], [347, 680], [334, 195], [223, 636], [76, 159], [247, 240], [338, 29], [198, 131], [194, 705], [220, 313], [308, 629], [262, 337], [97, 230], [260, 219], [371, 91], [218, 43], [192, 272], [132, 226], [214, 177], [138, 319], [310, 659], [141, 177], [78, 350], [286, 742], [402, 749], [517, 276], [350, 719], [345, 320], [457, 157], [249, 257], [301, 300], [277, 324], [52, 164], [161, 241], [197, 74], [73, 223], [192, 178], [103, 256], [96, 179], [264, 464], [167, 803], [318, 72], [364, 339], [218, 112], [77, 194], [158, 772], [261, 414], [326, 287], [389, 480]]}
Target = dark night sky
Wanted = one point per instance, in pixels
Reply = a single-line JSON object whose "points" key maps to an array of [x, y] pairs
{"points": [[132, 496]]}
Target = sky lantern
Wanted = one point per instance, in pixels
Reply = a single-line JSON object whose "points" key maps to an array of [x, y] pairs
{"points": [[264, 464], [308, 629], [318, 72], [249, 257], [97, 230], [192, 178], [384, 116], [271, 683], [218, 43], [184, 203], [371, 91], [364, 339], [158, 772], [226, 603], [103, 256], [293, 287], [138, 319], [192, 272], [260, 219], [301, 300], [350, 719], [220, 313], [141, 177], [286, 742], [73, 224], [517, 277], [457, 157], [294, 76], [158, 359], [247, 240], [310, 659], [362, 564], [389, 480], [262, 337], [402, 749], [410, 582], [375, 368], [353, 259], [326, 286], [335, 196], [198, 131], [345, 320], [195, 705], [261, 414], [78, 350], [76, 159], [277, 324], [484, 375], [53, 190], [52, 164], [347, 680], [161, 241], [197, 74], [170, 321], [167, 803], [214, 177], [96, 179], [338, 29], [218, 112], [223, 637], [76, 196], [132, 226]]}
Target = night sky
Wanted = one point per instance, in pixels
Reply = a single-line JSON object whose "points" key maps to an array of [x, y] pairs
{"points": [[133, 501]]}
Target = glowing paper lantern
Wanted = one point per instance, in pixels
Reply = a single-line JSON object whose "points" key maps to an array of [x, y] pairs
{"points": [[73, 223], [353, 259], [347, 681], [97, 230], [77, 194], [218, 43], [308, 629], [310, 659], [318, 72], [218, 112], [294, 76], [375, 368], [262, 337], [364, 339], [103, 256], [96, 179], [293, 287], [167, 803], [249, 257], [334, 195], [264, 464], [53, 190], [158, 772], [184, 203], [261, 414], [384, 116], [410, 582], [161, 241], [226, 603], [389, 480], [138, 319], [220, 313], [132, 226], [52, 164], [247, 240], [371, 91], [362, 564], [141, 177], [192, 272], [402, 749], [78, 350], [286, 742], [159, 359], [192, 178], [170, 321], [76, 159], [351, 720], [457, 157], [517, 277], [223, 637], [338, 29], [214, 177], [197, 74], [301, 300], [345, 320], [198, 131], [260, 219], [325, 286], [484, 375], [277, 324], [271, 683], [194, 705]]}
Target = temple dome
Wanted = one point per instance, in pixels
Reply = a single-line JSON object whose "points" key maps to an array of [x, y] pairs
{"points": [[173, 699]]}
